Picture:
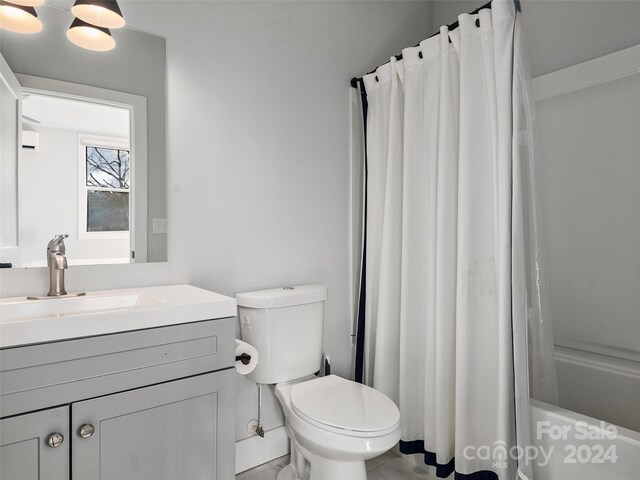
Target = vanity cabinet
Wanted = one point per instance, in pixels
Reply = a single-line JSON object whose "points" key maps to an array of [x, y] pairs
{"points": [[152, 404], [35, 446]]}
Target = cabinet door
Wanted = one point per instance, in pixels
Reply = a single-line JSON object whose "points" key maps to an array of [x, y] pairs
{"points": [[25, 453], [182, 429]]}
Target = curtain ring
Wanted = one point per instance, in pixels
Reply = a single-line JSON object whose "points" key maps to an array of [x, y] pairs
{"points": [[377, 79], [478, 22], [419, 54]]}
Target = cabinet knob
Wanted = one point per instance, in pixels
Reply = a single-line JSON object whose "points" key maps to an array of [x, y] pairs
{"points": [[86, 430], [55, 440]]}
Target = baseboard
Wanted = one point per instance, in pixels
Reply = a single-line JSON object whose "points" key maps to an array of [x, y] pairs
{"points": [[254, 451]]}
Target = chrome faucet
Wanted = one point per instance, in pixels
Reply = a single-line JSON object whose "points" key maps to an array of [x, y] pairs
{"points": [[57, 263]]}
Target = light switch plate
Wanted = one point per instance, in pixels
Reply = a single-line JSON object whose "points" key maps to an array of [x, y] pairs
{"points": [[160, 225]]}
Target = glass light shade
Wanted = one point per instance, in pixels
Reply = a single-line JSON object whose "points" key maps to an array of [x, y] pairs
{"points": [[27, 3], [103, 13], [90, 36], [19, 19]]}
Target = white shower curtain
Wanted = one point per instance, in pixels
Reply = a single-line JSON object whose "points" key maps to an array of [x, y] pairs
{"points": [[448, 242]]}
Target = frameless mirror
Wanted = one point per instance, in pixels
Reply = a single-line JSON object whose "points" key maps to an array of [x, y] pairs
{"points": [[83, 146]]}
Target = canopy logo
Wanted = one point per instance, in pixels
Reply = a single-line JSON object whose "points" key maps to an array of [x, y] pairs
{"points": [[499, 454], [576, 443]]}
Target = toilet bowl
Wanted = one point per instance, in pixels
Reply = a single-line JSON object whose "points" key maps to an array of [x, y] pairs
{"points": [[335, 425]]}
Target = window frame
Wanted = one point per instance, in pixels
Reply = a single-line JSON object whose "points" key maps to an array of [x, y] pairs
{"points": [[87, 140]]}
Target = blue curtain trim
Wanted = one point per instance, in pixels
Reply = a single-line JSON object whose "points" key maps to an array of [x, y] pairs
{"points": [[359, 363], [443, 470]]}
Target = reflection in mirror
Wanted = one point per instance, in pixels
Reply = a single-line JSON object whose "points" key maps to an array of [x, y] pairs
{"points": [[81, 160], [10, 121], [83, 145]]}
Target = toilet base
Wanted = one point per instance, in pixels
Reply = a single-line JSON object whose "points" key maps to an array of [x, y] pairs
{"points": [[306, 465], [332, 470], [288, 473]]}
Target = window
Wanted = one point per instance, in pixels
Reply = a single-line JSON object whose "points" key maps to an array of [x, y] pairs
{"points": [[105, 188]]}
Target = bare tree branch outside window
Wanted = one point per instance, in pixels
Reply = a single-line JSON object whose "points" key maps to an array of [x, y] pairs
{"points": [[107, 181], [107, 167]]}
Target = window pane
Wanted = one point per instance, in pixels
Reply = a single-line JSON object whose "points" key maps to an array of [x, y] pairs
{"points": [[107, 167], [107, 211]]}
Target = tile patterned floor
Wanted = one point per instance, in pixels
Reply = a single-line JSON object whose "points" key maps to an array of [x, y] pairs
{"points": [[389, 466]]}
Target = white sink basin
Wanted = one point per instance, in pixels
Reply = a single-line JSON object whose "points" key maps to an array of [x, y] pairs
{"points": [[24, 321], [63, 306]]}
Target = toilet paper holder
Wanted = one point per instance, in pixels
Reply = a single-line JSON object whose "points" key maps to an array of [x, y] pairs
{"points": [[245, 358]]}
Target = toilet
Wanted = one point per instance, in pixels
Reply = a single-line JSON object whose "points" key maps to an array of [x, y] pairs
{"points": [[333, 424]]}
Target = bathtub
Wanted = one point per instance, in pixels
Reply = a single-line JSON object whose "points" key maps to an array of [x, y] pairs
{"points": [[608, 452], [558, 451]]}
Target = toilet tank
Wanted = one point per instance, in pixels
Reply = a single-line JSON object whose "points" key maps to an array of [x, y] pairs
{"points": [[285, 325]]}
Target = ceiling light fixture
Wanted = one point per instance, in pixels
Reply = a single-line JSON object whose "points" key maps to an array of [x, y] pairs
{"points": [[28, 3], [19, 18], [91, 37], [103, 13]]}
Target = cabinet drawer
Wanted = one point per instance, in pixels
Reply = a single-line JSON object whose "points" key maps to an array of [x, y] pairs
{"points": [[39, 376]]}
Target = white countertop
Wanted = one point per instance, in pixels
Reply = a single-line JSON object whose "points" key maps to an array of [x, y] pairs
{"points": [[24, 322]]}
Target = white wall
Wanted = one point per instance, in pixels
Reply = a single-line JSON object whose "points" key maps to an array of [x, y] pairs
{"points": [[589, 176], [49, 201], [561, 33], [258, 150], [269, 202]]}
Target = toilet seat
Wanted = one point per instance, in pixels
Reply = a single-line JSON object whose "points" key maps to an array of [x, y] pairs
{"points": [[345, 407]]}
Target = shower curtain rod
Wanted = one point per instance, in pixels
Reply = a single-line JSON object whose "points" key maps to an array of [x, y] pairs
{"points": [[452, 26]]}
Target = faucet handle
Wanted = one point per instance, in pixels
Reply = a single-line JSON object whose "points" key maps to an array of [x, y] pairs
{"points": [[57, 243]]}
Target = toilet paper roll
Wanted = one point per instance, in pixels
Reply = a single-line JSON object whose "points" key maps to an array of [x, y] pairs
{"points": [[243, 347]]}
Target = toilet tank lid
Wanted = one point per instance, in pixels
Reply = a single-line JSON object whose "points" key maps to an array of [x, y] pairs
{"points": [[282, 297]]}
